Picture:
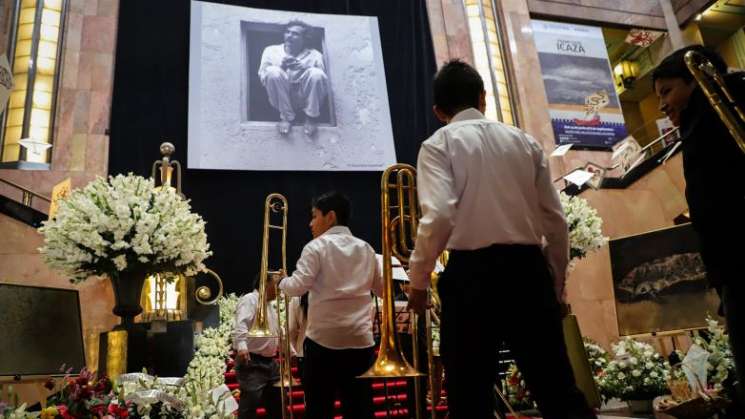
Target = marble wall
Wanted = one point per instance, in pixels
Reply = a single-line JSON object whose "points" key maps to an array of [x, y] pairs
{"points": [[449, 27], [687, 9], [80, 148], [80, 151], [4, 26], [637, 13], [650, 203]]}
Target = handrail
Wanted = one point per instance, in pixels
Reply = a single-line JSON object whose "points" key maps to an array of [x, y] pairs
{"points": [[659, 139], [28, 195]]}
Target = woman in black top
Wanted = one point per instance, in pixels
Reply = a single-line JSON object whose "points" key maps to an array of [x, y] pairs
{"points": [[714, 170]]}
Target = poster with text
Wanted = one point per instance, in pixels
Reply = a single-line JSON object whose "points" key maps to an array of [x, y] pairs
{"points": [[582, 99], [279, 90]]}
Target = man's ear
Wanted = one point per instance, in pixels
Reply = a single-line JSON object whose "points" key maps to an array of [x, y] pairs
{"points": [[331, 217], [441, 116]]}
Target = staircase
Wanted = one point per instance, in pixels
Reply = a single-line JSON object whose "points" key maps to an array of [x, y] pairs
{"points": [[22, 204], [390, 399]]}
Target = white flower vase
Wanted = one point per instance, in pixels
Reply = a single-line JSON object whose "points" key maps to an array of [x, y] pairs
{"points": [[127, 287]]}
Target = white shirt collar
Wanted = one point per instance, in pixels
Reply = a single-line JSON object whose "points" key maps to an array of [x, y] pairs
{"points": [[466, 114], [338, 230]]}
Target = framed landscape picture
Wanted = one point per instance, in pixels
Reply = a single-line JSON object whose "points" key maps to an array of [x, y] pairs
{"points": [[659, 282]]}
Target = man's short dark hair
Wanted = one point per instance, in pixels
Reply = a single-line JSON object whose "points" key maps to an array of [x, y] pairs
{"points": [[334, 201], [298, 22], [457, 86], [674, 66]]}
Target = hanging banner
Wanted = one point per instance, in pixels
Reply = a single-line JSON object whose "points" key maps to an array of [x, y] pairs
{"points": [[582, 99]]}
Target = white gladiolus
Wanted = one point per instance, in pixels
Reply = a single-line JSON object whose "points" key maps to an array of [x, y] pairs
{"points": [[585, 226], [123, 223]]}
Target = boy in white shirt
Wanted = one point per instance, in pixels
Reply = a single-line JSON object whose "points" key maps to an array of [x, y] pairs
{"points": [[338, 271], [255, 365]]}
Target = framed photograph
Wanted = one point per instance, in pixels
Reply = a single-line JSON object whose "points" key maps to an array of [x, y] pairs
{"points": [[278, 90], [659, 282]]}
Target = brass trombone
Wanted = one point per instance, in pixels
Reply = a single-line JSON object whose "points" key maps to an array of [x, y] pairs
{"points": [[275, 204], [400, 220], [719, 96], [399, 230]]}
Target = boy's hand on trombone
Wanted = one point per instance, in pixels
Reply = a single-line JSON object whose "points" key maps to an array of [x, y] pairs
{"points": [[418, 300], [276, 277]]}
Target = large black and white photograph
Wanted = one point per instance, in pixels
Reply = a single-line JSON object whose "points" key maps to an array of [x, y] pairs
{"points": [[659, 282], [277, 90]]}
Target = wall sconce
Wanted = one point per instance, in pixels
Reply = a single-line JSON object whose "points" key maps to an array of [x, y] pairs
{"points": [[626, 72], [35, 48]]}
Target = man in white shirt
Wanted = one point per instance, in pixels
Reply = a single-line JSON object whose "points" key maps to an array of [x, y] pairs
{"points": [[295, 78], [338, 270], [255, 365], [486, 194]]}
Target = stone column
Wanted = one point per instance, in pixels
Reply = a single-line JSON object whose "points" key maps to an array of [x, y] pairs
{"points": [[449, 28], [531, 101], [5, 16], [673, 29]]}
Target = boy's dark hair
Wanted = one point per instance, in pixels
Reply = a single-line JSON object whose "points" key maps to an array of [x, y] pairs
{"points": [[334, 201], [674, 66], [256, 282], [457, 86]]}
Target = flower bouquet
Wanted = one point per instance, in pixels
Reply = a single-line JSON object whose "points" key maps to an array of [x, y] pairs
{"points": [[708, 395], [585, 226], [124, 228], [636, 373]]}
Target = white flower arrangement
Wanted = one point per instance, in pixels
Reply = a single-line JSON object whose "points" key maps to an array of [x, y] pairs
{"points": [[206, 370], [7, 412], [124, 224], [637, 372], [213, 346], [585, 226]]}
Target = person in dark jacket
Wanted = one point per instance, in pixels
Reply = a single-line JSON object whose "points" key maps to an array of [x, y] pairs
{"points": [[714, 171]]}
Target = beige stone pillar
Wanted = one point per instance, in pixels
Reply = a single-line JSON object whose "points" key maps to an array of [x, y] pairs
{"points": [[673, 29]]}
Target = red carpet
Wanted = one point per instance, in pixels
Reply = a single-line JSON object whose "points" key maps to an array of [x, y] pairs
{"points": [[395, 404]]}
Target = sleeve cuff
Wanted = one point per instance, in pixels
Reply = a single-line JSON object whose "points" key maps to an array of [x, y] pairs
{"points": [[241, 345]]}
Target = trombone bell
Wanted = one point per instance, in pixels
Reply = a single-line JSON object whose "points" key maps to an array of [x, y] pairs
{"points": [[718, 94]]}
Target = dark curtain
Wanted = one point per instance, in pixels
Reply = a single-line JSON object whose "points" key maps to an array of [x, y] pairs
{"points": [[150, 106]]}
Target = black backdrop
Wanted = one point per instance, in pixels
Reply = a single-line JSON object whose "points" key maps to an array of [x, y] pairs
{"points": [[150, 106]]}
